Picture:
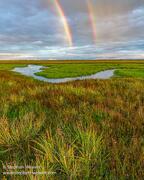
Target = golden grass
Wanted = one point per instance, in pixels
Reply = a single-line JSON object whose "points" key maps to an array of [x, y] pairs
{"points": [[70, 61], [83, 129]]}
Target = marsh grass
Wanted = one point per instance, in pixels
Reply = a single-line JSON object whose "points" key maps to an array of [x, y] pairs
{"points": [[84, 129], [123, 69]]}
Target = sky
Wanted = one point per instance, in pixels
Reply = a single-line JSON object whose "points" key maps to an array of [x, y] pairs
{"points": [[97, 29]]}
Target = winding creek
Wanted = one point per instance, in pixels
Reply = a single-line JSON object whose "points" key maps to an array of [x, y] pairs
{"points": [[30, 70]]}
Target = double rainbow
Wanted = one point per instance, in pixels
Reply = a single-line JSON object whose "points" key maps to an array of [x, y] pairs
{"points": [[66, 26]]}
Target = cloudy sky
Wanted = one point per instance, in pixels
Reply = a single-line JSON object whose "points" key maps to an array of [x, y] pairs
{"points": [[33, 29]]}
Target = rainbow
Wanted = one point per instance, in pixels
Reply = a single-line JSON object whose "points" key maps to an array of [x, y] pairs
{"points": [[65, 23], [92, 18]]}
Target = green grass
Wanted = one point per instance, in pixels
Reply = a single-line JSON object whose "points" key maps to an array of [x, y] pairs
{"points": [[10, 66], [75, 70], [91, 129], [135, 73], [72, 69]]}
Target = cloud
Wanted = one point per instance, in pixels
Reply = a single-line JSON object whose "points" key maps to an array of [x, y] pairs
{"points": [[34, 28]]}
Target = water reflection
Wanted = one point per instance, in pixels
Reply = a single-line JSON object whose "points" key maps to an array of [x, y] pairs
{"points": [[30, 70]]}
